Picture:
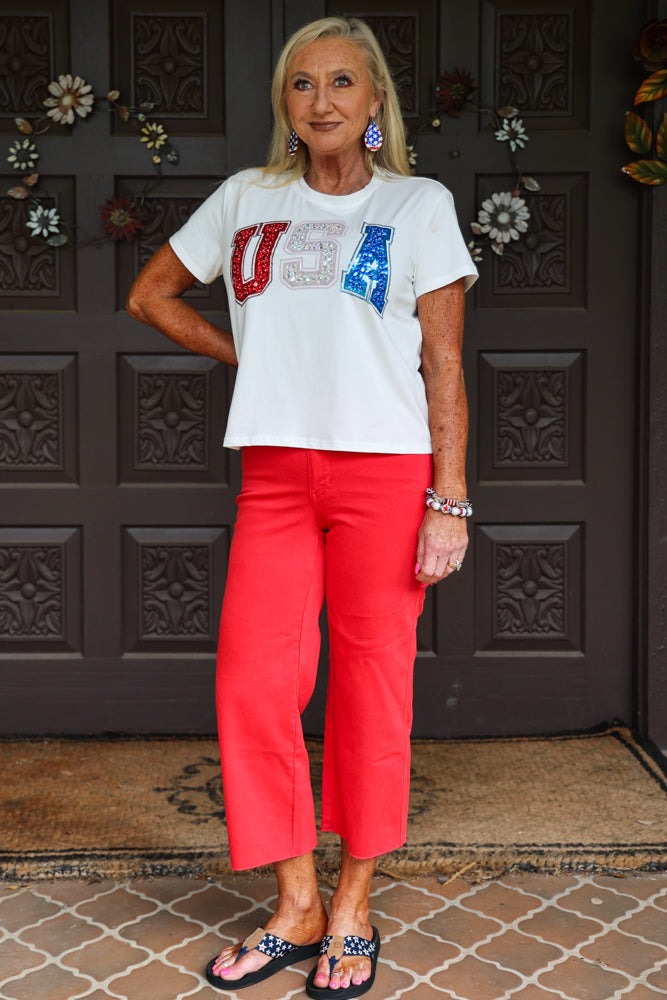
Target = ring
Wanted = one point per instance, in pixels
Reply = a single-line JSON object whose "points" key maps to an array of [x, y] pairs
{"points": [[455, 565]]}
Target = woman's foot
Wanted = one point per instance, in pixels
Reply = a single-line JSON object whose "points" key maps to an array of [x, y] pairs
{"points": [[350, 970], [299, 928], [350, 915], [300, 918]]}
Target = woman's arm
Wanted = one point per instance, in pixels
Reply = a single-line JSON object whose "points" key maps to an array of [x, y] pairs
{"points": [[443, 539], [155, 298]]}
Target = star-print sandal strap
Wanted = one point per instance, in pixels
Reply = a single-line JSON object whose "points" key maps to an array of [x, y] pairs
{"points": [[268, 944], [334, 947]]}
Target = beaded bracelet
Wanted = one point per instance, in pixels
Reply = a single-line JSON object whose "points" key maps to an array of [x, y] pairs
{"points": [[457, 508]]}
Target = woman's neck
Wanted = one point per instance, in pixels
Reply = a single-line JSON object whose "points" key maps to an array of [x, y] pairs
{"points": [[330, 175]]}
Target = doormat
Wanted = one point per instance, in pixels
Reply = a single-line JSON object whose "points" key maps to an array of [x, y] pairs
{"points": [[125, 808]]}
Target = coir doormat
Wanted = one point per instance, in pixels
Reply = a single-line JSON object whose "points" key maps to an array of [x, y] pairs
{"points": [[122, 808]]}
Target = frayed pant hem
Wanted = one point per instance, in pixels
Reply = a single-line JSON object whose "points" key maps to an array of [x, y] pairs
{"points": [[365, 853], [243, 865]]}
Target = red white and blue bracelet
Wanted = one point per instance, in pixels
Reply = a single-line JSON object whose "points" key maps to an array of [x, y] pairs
{"points": [[447, 505]]}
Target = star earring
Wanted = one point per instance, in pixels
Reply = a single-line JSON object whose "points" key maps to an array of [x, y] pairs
{"points": [[373, 137], [293, 143]]}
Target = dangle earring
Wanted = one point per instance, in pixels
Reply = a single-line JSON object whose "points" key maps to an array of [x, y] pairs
{"points": [[373, 137], [293, 143]]}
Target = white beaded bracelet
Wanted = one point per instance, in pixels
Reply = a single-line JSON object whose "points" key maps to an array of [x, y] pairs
{"points": [[457, 508]]}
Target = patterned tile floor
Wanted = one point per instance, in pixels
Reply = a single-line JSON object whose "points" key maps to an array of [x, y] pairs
{"points": [[521, 937]]}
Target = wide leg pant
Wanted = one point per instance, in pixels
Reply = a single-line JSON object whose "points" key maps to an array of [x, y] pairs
{"points": [[312, 524]]}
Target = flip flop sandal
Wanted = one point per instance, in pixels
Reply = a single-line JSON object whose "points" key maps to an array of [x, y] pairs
{"points": [[334, 948], [282, 953]]}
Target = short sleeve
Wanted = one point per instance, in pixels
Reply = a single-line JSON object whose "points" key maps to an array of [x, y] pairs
{"points": [[199, 243], [442, 255]]}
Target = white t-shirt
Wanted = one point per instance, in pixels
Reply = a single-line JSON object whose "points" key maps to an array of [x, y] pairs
{"points": [[322, 296]]}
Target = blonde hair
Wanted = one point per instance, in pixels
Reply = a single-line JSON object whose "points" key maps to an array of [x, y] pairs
{"points": [[392, 157]]}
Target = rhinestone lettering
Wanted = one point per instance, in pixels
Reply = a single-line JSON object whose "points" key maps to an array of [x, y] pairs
{"points": [[294, 274], [262, 262], [369, 272]]}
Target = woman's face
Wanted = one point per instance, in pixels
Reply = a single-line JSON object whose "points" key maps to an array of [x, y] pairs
{"points": [[330, 97]]}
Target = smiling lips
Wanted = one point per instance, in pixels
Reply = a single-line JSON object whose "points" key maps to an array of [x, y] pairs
{"points": [[324, 126]]}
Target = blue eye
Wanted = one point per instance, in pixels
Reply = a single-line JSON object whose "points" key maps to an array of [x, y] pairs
{"points": [[342, 81], [301, 84]]}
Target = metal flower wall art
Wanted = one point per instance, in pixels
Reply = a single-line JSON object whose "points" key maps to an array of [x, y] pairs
{"points": [[72, 99], [505, 215], [651, 51]]}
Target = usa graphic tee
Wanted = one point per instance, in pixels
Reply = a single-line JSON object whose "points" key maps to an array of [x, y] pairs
{"points": [[322, 294]]}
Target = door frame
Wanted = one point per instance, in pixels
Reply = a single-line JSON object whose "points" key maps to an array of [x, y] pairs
{"points": [[651, 654]]}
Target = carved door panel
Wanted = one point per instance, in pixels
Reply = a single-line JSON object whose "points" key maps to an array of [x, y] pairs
{"points": [[117, 497]]}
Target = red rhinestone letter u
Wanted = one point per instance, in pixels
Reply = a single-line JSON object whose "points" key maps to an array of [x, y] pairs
{"points": [[262, 264]]}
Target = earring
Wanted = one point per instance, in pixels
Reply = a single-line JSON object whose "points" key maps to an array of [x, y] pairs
{"points": [[293, 143], [373, 137]]}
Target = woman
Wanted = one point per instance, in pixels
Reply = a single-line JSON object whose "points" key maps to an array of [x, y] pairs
{"points": [[345, 279]]}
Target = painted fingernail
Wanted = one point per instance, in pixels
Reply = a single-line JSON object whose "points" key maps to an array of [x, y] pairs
{"points": [[417, 567], [424, 586]]}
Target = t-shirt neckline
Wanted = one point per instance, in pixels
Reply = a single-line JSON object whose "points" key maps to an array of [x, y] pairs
{"points": [[338, 199]]}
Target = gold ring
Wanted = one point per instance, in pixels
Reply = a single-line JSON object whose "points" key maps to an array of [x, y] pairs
{"points": [[455, 565]]}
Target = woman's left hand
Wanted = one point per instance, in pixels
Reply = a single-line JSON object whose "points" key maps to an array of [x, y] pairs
{"points": [[441, 546]]}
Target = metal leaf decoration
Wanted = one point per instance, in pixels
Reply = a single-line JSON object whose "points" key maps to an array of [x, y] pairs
{"points": [[653, 87], [637, 134], [647, 171], [530, 183]]}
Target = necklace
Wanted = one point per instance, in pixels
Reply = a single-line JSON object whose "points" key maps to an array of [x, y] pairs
{"points": [[356, 186]]}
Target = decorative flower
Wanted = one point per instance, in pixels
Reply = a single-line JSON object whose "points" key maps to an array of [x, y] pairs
{"points": [[23, 154], [43, 221], [502, 216], [412, 156], [69, 95], [121, 218], [651, 47], [512, 131], [154, 135], [453, 90]]}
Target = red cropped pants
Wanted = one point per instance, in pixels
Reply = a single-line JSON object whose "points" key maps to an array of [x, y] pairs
{"points": [[312, 524]]}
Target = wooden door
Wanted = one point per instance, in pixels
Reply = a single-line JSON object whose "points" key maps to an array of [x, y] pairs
{"points": [[117, 497]]}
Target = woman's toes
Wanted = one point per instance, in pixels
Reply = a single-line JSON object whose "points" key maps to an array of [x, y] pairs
{"points": [[360, 973], [223, 961], [227, 966], [336, 981], [322, 974]]}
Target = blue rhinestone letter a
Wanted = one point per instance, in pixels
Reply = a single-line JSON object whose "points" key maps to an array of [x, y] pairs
{"points": [[369, 271]]}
